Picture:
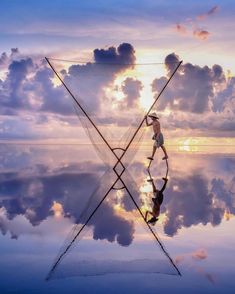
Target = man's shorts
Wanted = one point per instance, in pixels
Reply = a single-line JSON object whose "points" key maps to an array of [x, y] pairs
{"points": [[160, 141], [158, 197]]}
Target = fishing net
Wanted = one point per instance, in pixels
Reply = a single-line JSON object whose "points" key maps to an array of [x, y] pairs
{"points": [[110, 234]]}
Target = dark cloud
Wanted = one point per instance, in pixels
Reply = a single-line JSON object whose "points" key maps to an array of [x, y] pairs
{"points": [[124, 54]]}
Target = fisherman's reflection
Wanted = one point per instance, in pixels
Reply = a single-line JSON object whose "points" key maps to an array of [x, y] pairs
{"points": [[157, 201]]}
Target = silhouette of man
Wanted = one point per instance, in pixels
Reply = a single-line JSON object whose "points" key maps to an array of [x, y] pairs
{"points": [[157, 201]]}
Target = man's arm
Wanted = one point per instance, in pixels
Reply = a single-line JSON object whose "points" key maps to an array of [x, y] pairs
{"points": [[157, 128], [148, 123], [154, 187]]}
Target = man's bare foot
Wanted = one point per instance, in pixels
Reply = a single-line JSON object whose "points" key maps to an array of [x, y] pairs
{"points": [[150, 180], [150, 158], [165, 158]]}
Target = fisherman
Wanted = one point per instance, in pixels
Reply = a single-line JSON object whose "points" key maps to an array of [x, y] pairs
{"points": [[158, 136], [157, 201]]}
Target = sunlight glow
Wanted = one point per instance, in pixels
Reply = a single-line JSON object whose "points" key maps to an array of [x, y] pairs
{"points": [[57, 209], [188, 145]]}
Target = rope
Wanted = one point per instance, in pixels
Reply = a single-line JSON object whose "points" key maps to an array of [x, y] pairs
{"points": [[108, 63]]}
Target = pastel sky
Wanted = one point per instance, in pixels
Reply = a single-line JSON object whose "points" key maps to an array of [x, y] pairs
{"points": [[200, 102], [43, 186]]}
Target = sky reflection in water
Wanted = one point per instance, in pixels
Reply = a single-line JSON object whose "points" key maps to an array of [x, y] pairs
{"points": [[42, 196]]}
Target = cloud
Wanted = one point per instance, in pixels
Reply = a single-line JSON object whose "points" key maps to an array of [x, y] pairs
{"points": [[190, 89], [191, 27], [197, 200], [225, 97], [17, 74], [53, 99], [124, 54], [131, 89], [201, 34], [213, 10], [195, 95], [181, 29], [33, 195], [189, 259], [3, 58], [199, 254], [179, 259], [87, 82], [110, 226], [210, 12], [192, 204], [220, 189], [29, 86], [30, 96]]}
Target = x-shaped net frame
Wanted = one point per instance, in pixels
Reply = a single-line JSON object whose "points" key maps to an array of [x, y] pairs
{"points": [[119, 175]]}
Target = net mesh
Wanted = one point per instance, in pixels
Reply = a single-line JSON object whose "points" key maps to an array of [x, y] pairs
{"points": [[111, 101], [123, 247]]}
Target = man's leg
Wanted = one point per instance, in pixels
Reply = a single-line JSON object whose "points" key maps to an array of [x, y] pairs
{"points": [[165, 153], [153, 152], [146, 215]]}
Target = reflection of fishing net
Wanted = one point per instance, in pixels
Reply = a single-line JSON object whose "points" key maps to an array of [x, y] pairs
{"points": [[110, 101], [114, 241]]}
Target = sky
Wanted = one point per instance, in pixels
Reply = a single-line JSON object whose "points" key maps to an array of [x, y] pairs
{"points": [[115, 57], [199, 102]]}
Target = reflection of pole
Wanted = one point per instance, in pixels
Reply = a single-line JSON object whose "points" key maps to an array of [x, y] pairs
{"points": [[78, 233], [167, 168], [150, 176], [151, 230]]}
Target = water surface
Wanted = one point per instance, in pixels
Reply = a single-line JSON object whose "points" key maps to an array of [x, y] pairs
{"points": [[45, 190]]}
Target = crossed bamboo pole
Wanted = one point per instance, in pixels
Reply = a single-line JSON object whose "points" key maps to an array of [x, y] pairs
{"points": [[119, 175]]}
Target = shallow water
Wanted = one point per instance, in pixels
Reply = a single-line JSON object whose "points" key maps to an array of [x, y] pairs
{"points": [[45, 189]]}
